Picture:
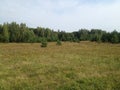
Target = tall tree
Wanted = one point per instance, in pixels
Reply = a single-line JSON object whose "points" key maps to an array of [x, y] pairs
{"points": [[5, 33], [14, 31], [1, 36], [84, 34], [114, 37]]}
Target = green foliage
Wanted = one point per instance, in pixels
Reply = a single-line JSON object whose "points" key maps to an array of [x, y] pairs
{"points": [[13, 32], [5, 33], [96, 35], [44, 43], [119, 37], [59, 43], [84, 34], [105, 37], [114, 37]]}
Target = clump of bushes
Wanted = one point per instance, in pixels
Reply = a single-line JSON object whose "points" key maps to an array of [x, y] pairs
{"points": [[44, 43], [59, 43], [76, 40]]}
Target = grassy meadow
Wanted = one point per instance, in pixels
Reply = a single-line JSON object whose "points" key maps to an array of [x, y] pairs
{"points": [[72, 66]]}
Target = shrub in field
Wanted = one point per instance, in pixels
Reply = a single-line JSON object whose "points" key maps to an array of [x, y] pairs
{"points": [[59, 42], [76, 40], [44, 43]]}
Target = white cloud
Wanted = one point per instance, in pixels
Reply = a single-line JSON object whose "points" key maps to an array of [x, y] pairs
{"points": [[69, 15]]}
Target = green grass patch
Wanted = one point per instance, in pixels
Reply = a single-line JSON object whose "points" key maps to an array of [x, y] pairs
{"points": [[72, 66]]}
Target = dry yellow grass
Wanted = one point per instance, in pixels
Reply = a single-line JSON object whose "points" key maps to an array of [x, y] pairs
{"points": [[72, 66]]}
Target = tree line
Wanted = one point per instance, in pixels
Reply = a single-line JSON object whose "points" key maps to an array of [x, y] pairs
{"points": [[13, 32]]}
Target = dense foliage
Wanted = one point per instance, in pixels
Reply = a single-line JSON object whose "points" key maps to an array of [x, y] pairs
{"points": [[13, 32]]}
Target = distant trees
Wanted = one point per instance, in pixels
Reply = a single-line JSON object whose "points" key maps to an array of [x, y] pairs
{"points": [[83, 34], [5, 33], [1, 33], [47, 33], [96, 35], [13, 32], [115, 37], [119, 37]]}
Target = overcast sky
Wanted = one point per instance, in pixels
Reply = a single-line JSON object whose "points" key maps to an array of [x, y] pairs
{"points": [[67, 15]]}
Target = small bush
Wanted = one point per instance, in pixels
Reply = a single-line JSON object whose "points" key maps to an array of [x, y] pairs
{"points": [[44, 43], [76, 40], [58, 42]]}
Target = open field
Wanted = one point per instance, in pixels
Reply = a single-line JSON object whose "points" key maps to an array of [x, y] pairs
{"points": [[72, 66]]}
